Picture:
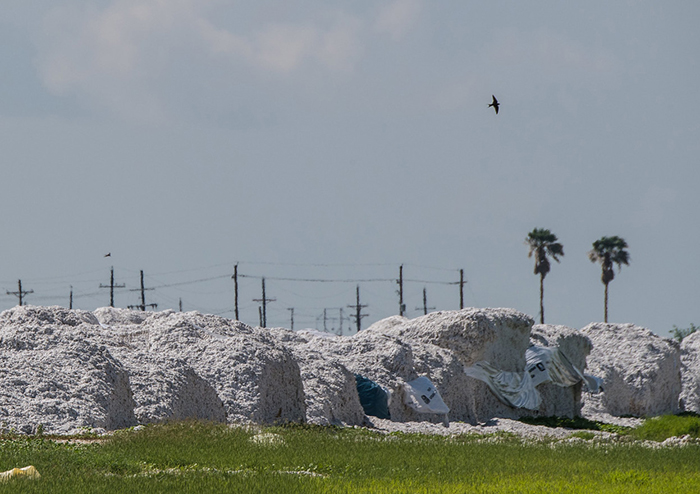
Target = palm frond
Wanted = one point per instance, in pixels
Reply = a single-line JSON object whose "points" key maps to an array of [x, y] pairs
{"points": [[608, 251]]}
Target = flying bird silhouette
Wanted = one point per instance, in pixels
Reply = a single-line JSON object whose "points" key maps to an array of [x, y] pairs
{"points": [[495, 104], [108, 254]]}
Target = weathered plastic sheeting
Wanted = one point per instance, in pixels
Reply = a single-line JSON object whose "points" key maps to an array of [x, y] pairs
{"points": [[551, 365], [422, 395], [374, 398], [519, 390], [546, 364], [641, 371], [575, 346], [512, 388]]}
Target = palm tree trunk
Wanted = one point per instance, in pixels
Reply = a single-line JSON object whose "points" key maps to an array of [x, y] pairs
{"points": [[606, 302], [541, 299]]}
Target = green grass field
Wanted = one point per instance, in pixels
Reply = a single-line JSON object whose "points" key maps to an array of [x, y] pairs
{"points": [[198, 457]]}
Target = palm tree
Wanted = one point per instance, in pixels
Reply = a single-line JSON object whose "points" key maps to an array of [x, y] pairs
{"points": [[608, 251], [543, 243]]}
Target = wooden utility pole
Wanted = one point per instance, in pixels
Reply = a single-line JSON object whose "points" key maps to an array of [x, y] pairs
{"points": [[340, 324], [425, 303], [235, 290], [112, 286], [461, 289], [264, 300], [291, 310], [70, 303], [143, 297], [180, 305], [402, 306], [20, 293], [358, 310]]}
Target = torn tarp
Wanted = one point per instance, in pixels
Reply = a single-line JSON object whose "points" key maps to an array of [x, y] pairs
{"points": [[512, 388], [549, 364], [543, 364]]}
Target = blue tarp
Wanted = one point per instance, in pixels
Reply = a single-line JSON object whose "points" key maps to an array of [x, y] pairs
{"points": [[373, 397]]}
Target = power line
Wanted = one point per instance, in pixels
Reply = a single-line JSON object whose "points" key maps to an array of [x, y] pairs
{"points": [[434, 282], [320, 280], [319, 265], [191, 282]]}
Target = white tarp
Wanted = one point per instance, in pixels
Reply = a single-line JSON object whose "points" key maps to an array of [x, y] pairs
{"points": [[512, 388], [549, 364], [543, 364], [422, 395]]}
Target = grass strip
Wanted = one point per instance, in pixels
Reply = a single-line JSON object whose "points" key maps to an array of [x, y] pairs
{"points": [[203, 457]]}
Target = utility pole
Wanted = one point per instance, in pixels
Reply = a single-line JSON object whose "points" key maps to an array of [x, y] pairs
{"points": [[291, 310], [143, 297], [340, 328], [358, 310], [180, 305], [325, 320], [235, 290], [20, 293], [461, 289], [112, 286], [70, 304], [402, 306], [425, 303], [264, 300]]}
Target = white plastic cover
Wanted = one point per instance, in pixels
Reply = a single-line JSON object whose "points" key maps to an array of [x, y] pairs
{"points": [[422, 395], [512, 388], [548, 364], [542, 364]]}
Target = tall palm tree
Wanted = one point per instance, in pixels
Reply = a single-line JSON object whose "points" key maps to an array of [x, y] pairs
{"points": [[543, 243], [608, 251]]}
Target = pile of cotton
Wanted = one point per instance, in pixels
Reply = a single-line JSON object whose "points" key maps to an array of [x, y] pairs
{"points": [[641, 371]]}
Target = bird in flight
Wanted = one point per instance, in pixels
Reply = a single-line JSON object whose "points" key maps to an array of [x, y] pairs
{"points": [[495, 104], [108, 254]]}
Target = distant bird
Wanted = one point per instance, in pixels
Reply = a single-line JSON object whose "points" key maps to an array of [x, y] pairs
{"points": [[108, 254], [495, 104]]}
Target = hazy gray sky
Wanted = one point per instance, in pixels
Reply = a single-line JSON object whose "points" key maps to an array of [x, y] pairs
{"points": [[184, 136]]}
